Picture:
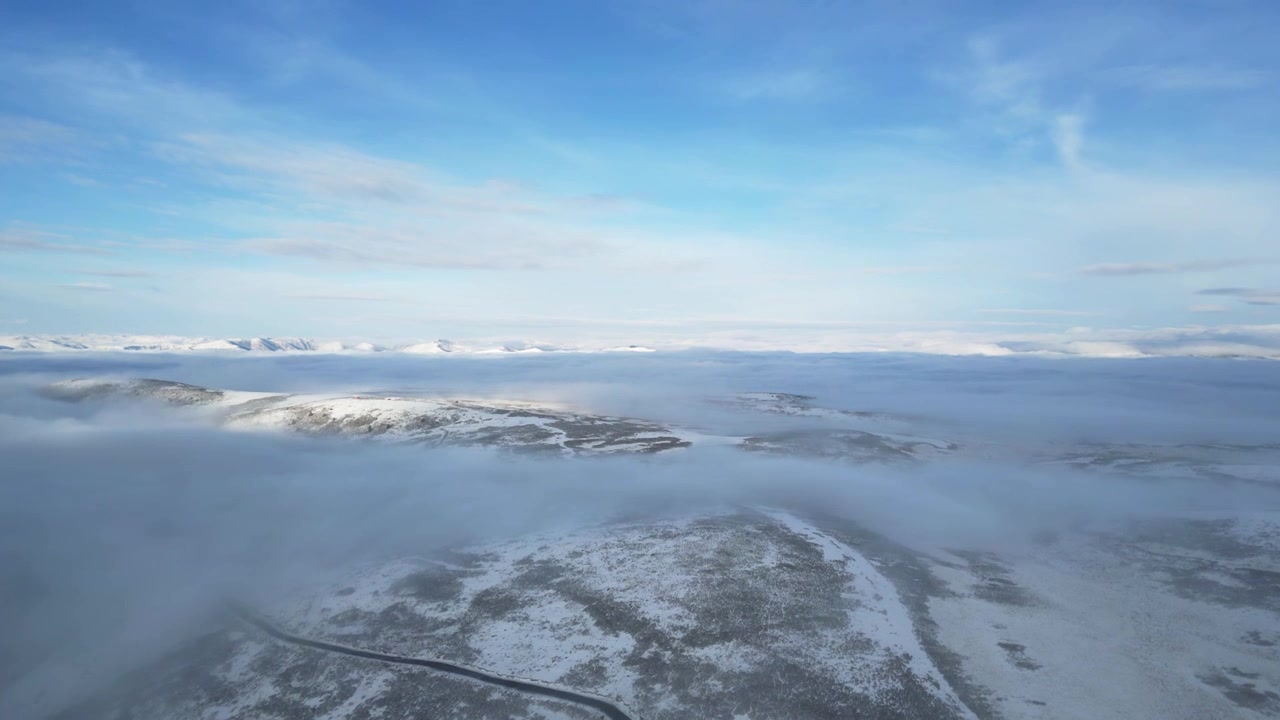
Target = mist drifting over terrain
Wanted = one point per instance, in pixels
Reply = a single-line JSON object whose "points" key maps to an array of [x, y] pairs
{"points": [[126, 526]]}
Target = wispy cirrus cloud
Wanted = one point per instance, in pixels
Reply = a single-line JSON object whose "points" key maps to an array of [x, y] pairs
{"points": [[117, 84], [365, 210], [24, 139], [1033, 311], [1187, 78], [780, 85], [993, 79], [328, 202], [339, 297], [118, 273], [313, 157], [1068, 138], [427, 245], [88, 286], [1154, 268], [1012, 90], [21, 239], [1250, 296]]}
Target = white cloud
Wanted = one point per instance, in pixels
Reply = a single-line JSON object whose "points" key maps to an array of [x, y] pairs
{"points": [[332, 203], [1068, 138], [1015, 90], [114, 82], [25, 139], [299, 200], [118, 273], [994, 80], [24, 239], [783, 85], [1251, 296], [337, 297], [1027, 311]]}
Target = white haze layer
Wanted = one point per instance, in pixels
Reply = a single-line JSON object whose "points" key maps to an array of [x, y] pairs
{"points": [[123, 527]]}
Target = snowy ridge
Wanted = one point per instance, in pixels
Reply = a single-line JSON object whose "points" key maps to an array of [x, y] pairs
{"points": [[896, 637], [621, 610], [511, 424], [806, 430], [732, 613], [506, 424], [1241, 342]]}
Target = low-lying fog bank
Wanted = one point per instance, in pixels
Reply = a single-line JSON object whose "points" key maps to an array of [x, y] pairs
{"points": [[126, 524]]}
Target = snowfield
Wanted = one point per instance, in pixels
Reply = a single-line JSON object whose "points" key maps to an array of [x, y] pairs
{"points": [[1137, 627]]}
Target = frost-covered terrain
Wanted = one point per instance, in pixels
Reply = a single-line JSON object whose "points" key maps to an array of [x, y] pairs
{"points": [[760, 613], [745, 614], [1170, 619]]}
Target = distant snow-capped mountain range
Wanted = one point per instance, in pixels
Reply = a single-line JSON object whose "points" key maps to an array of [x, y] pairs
{"points": [[171, 343], [1252, 341]]}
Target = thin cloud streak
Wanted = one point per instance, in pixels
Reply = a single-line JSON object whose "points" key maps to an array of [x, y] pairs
{"points": [[346, 298], [27, 139], [780, 85], [1154, 268], [1250, 296], [1188, 78], [25, 240], [118, 273], [1026, 311]]}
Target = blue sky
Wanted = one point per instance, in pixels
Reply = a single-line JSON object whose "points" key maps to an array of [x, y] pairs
{"points": [[637, 169]]}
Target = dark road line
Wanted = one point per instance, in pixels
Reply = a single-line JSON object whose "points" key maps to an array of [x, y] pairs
{"points": [[595, 702]]}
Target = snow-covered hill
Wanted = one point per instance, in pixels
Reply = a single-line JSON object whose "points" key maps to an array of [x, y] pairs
{"points": [[434, 420], [509, 424], [785, 425], [738, 615]]}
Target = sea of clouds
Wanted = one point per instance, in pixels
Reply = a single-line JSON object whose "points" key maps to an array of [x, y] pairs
{"points": [[124, 527]]}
